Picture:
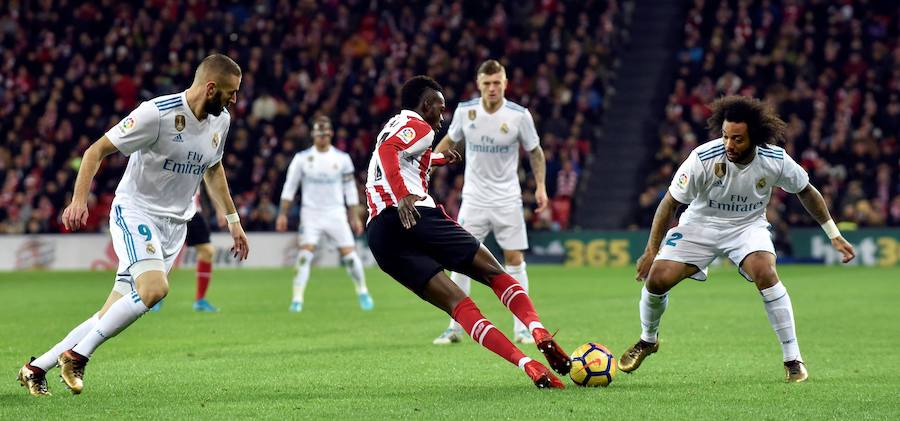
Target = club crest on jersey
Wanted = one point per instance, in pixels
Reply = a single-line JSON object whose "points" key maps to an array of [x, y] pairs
{"points": [[504, 128], [215, 140], [761, 184], [682, 180], [310, 159], [150, 248], [179, 122], [720, 169], [471, 114], [407, 134]]}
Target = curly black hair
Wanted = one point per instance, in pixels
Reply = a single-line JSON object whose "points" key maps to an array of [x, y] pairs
{"points": [[413, 90], [763, 124]]}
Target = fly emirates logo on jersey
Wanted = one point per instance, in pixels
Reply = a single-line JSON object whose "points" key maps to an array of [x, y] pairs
{"points": [[737, 203], [488, 145], [193, 165]]}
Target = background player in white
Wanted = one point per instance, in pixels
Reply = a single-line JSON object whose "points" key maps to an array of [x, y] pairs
{"points": [[330, 200], [492, 128], [728, 183], [173, 142]]}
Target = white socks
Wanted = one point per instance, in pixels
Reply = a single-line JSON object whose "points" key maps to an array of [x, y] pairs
{"points": [[304, 260], [518, 273], [781, 316], [652, 307], [354, 267], [465, 284], [48, 360], [119, 316]]}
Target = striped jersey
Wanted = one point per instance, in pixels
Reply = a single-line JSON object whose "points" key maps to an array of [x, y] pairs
{"points": [[722, 193], [400, 164], [168, 150]]}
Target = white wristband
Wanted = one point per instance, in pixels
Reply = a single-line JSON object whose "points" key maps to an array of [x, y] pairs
{"points": [[831, 230], [233, 218]]}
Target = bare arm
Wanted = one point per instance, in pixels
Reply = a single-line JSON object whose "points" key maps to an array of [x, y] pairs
{"points": [[446, 143], [217, 188], [661, 219], [814, 203], [539, 168], [75, 215]]}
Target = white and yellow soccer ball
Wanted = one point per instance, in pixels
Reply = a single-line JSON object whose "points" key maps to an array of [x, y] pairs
{"points": [[593, 365]]}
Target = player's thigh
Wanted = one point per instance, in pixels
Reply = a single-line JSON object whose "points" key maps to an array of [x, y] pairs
{"points": [[135, 237], [197, 231], [509, 227], [173, 239], [338, 229], [665, 274], [443, 293], [398, 253], [311, 228], [474, 220], [751, 249], [691, 245], [444, 240]]}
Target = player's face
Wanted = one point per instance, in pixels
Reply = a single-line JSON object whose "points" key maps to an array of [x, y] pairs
{"points": [[492, 87], [221, 95], [434, 110], [737, 143], [322, 134]]}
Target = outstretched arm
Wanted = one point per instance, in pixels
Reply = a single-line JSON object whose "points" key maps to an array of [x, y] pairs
{"points": [[447, 144], [814, 203], [664, 213], [539, 168], [75, 215], [217, 187]]}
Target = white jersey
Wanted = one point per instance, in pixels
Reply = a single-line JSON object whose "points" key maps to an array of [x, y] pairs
{"points": [[722, 193], [492, 151], [326, 179], [169, 150]]}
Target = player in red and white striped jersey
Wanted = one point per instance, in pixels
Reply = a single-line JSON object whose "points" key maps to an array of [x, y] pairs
{"points": [[413, 240]]}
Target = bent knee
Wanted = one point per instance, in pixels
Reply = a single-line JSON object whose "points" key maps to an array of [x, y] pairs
{"points": [[662, 278], [205, 252]]}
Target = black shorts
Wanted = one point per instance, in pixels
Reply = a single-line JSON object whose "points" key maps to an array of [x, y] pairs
{"points": [[413, 256], [197, 231]]}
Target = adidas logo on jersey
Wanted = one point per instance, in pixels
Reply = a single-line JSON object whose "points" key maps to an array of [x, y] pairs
{"points": [[178, 138]]}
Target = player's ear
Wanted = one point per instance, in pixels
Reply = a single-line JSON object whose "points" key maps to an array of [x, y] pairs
{"points": [[210, 89]]}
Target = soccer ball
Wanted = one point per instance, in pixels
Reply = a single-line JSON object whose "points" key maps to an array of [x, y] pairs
{"points": [[593, 365]]}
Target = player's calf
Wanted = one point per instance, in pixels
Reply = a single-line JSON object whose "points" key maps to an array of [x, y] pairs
{"points": [[71, 370]]}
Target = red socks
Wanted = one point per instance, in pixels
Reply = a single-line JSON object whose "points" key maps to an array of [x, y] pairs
{"points": [[483, 331], [204, 272], [514, 297]]}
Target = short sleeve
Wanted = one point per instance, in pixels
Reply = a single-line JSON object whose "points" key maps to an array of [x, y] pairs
{"points": [[793, 177], [137, 131], [527, 133], [686, 184], [456, 126], [347, 167]]}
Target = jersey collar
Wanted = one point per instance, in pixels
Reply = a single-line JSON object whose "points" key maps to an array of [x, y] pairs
{"points": [[411, 113]]}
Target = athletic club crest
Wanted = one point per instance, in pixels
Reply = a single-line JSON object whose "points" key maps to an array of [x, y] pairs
{"points": [[761, 184], [472, 115], [179, 122], [504, 128], [720, 169], [215, 140]]}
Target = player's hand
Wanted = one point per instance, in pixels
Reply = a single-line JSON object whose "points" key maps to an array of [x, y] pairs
{"points": [[453, 156], [356, 225], [281, 223], [643, 265], [75, 215], [241, 247], [540, 195], [843, 246], [407, 210]]}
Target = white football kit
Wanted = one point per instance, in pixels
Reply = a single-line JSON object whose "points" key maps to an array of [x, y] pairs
{"points": [[169, 150], [727, 204], [491, 196], [328, 185]]}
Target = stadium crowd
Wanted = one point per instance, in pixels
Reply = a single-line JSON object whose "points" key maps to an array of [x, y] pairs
{"points": [[71, 70], [831, 69]]}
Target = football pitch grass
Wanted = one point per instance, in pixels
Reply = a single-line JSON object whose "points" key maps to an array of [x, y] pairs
{"points": [[719, 358]]}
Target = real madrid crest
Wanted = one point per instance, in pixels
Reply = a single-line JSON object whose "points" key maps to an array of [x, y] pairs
{"points": [[471, 114], [215, 140], [720, 169], [761, 183], [179, 122], [504, 128], [150, 248]]}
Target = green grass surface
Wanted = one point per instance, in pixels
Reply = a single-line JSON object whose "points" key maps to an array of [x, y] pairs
{"points": [[719, 358]]}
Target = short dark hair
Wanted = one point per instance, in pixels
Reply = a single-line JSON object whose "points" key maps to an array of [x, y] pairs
{"points": [[218, 64], [763, 124], [413, 91], [490, 67]]}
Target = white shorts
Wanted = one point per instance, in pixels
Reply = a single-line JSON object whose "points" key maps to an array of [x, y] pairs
{"points": [[507, 224], [334, 224], [137, 236], [699, 245]]}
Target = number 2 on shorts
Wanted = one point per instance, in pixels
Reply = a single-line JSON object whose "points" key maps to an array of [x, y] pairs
{"points": [[145, 231], [672, 239]]}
